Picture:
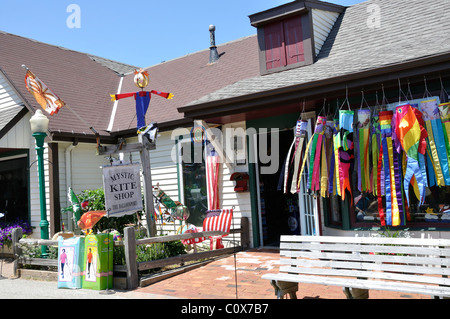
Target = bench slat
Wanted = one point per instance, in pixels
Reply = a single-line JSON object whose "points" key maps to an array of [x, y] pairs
{"points": [[368, 240], [366, 248], [417, 269], [362, 284], [367, 274], [366, 257]]}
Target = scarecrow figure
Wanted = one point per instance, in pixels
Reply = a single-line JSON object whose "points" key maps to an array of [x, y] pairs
{"points": [[141, 79]]}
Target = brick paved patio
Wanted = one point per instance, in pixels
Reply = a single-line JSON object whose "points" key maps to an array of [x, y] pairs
{"points": [[217, 281]]}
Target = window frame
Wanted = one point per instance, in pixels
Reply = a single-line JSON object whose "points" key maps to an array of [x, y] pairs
{"points": [[307, 42]]}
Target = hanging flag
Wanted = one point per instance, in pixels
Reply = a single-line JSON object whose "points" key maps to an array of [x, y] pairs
{"points": [[431, 116], [375, 136], [410, 135], [48, 100], [314, 146], [300, 138], [445, 117], [336, 145], [212, 174], [362, 149], [346, 150]]}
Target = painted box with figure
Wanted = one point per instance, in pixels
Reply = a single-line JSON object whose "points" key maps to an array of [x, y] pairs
{"points": [[98, 262], [70, 262]]}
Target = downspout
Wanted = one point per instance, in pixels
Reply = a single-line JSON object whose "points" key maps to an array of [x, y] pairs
{"points": [[68, 158]]}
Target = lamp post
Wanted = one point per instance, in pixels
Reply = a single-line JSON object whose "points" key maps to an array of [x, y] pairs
{"points": [[39, 126]]}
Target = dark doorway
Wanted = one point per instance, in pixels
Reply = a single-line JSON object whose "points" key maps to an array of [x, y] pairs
{"points": [[279, 211], [14, 189]]}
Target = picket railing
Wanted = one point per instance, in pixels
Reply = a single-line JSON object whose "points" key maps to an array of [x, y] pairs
{"points": [[130, 243]]}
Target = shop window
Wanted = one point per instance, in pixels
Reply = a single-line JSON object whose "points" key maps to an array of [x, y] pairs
{"points": [[194, 181], [283, 43]]}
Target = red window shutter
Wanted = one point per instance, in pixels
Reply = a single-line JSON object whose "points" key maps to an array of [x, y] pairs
{"points": [[274, 40], [294, 40]]}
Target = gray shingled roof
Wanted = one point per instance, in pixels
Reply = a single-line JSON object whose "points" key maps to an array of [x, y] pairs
{"points": [[118, 67], [84, 84], [408, 30]]}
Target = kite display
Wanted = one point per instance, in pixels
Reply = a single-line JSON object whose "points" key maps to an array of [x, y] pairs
{"points": [[315, 146], [300, 137], [76, 205], [293, 162], [346, 150], [168, 215], [384, 154], [336, 180], [89, 219], [48, 100], [445, 117], [433, 123], [330, 132], [391, 162], [142, 98], [410, 134], [362, 149], [375, 140]]}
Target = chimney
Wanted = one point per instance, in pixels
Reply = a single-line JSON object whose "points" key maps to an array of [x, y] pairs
{"points": [[213, 54]]}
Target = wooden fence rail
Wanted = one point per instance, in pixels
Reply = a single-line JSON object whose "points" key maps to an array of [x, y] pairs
{"points": [[130, 244]]}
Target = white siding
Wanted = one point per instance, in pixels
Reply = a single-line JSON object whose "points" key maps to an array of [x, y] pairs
{"points": [[323, 22], [10, 103], [85, 169], [228, 197], [19, 136]]}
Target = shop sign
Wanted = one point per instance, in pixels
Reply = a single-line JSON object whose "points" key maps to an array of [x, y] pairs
{"points": [[122, 185]]}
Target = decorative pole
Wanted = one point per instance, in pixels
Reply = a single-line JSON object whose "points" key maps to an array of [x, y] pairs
{"points": [[39, 126]]}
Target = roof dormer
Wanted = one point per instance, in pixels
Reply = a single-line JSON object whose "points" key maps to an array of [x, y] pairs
{"points": [[292, 35]]}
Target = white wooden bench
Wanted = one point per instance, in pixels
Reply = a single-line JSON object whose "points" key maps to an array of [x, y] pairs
{"points": [[358, 264]]}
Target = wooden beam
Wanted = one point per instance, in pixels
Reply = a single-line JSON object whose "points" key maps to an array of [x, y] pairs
{"points": [[125, 148]]}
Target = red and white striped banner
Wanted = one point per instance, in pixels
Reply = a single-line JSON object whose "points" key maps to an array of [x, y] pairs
{"points": [[212, 174]]}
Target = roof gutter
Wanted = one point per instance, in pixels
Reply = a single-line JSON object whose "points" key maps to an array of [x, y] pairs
{"points": [[431, 64]]}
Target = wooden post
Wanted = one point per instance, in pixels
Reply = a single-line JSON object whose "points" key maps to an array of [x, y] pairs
{"points": [[245, 238], [144, 146], [148, 187], [16, 235], [130, 258]]}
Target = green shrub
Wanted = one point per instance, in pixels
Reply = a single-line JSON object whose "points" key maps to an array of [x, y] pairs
{"points": [[96, 201]]}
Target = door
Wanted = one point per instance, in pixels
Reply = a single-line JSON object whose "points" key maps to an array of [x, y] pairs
{"points": [[14, 189], [282, 213]]}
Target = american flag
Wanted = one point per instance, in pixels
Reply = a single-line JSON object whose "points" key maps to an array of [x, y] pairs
{"points": [[218, 220], [212, 167]]}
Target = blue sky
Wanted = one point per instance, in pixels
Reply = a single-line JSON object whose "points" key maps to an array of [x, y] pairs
{"points": [[141, 33]]}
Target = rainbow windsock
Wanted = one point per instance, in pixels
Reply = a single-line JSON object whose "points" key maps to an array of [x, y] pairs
{"points": [[433, 123], [410, 134], [346, 150], [362, 149]]}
